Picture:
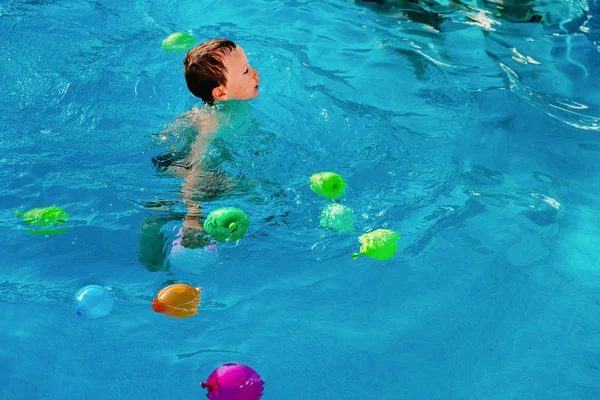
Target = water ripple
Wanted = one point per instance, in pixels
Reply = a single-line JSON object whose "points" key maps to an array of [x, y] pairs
{"points": [[563, 109]]}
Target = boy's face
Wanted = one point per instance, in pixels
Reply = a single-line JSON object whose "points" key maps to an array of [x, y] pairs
{"points": [[242, 79]]}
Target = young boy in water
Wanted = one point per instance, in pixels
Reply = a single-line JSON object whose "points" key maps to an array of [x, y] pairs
{"points": [[215, 71]]}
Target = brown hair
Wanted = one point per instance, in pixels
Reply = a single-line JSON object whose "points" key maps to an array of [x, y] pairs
{"points": [[203, 67]]}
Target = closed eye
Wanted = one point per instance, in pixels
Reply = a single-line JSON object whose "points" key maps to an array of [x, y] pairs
{"points": [[246, 71]]}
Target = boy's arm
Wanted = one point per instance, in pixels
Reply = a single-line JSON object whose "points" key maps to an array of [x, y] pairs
{"points": [[207, 125]]}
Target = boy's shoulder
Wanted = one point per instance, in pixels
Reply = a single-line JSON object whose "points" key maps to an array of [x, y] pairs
{"points": [[204, 119]]}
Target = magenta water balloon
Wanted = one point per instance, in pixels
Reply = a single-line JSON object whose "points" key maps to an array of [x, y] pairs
{"points": [[234, 382]]}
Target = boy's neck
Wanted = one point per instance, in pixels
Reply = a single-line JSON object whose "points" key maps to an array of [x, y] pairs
{"points": [[230, 106]]}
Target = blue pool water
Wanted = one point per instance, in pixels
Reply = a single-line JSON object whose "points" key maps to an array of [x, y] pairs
{"points": [[477, 139]]}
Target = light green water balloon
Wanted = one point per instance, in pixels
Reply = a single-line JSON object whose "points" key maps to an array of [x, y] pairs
{"points": [[337, 217], [178, 42]]}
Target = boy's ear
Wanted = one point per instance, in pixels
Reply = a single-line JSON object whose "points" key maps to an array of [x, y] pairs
{"points": [[219, 93]]}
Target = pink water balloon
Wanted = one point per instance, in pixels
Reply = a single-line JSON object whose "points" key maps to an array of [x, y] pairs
{"points": [[234, 382]]}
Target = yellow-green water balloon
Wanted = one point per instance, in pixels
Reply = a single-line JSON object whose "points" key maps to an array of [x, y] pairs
{"points": [[380, 244], [327, 184]]}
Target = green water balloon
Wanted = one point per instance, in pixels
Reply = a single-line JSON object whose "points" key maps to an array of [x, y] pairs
{"points": [[226, 224], [178, 42], [380, 244], [327, 184], [44, 216], [337, 217]]}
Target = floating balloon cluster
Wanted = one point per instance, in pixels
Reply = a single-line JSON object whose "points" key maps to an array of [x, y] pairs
{"points": [[230, 381], [228, 224], [380, 244]]}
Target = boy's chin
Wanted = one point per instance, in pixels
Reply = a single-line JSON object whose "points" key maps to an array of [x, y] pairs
{"points": [[255, 95], [248, 97]]}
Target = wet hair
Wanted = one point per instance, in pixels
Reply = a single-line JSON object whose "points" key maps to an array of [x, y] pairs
{"points": [[204, 69]]}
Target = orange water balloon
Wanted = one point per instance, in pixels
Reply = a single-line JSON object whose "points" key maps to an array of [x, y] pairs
{"points": [[177, 301]]}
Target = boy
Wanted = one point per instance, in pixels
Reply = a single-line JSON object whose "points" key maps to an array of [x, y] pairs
{"points": [[215, 71]]}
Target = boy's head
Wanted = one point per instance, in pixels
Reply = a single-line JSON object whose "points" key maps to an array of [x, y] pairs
{"points": [[218, 70]]}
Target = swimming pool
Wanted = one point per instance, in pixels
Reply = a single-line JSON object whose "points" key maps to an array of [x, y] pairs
{"points": [[476, 139]]}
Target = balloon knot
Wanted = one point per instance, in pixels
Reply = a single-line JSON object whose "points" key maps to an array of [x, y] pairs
{"points": [[355, 256], [232, 227], [211, 384]]}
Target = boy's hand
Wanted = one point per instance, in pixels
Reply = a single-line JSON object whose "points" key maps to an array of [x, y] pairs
{"points": [[194, 235], [194, 238]]}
